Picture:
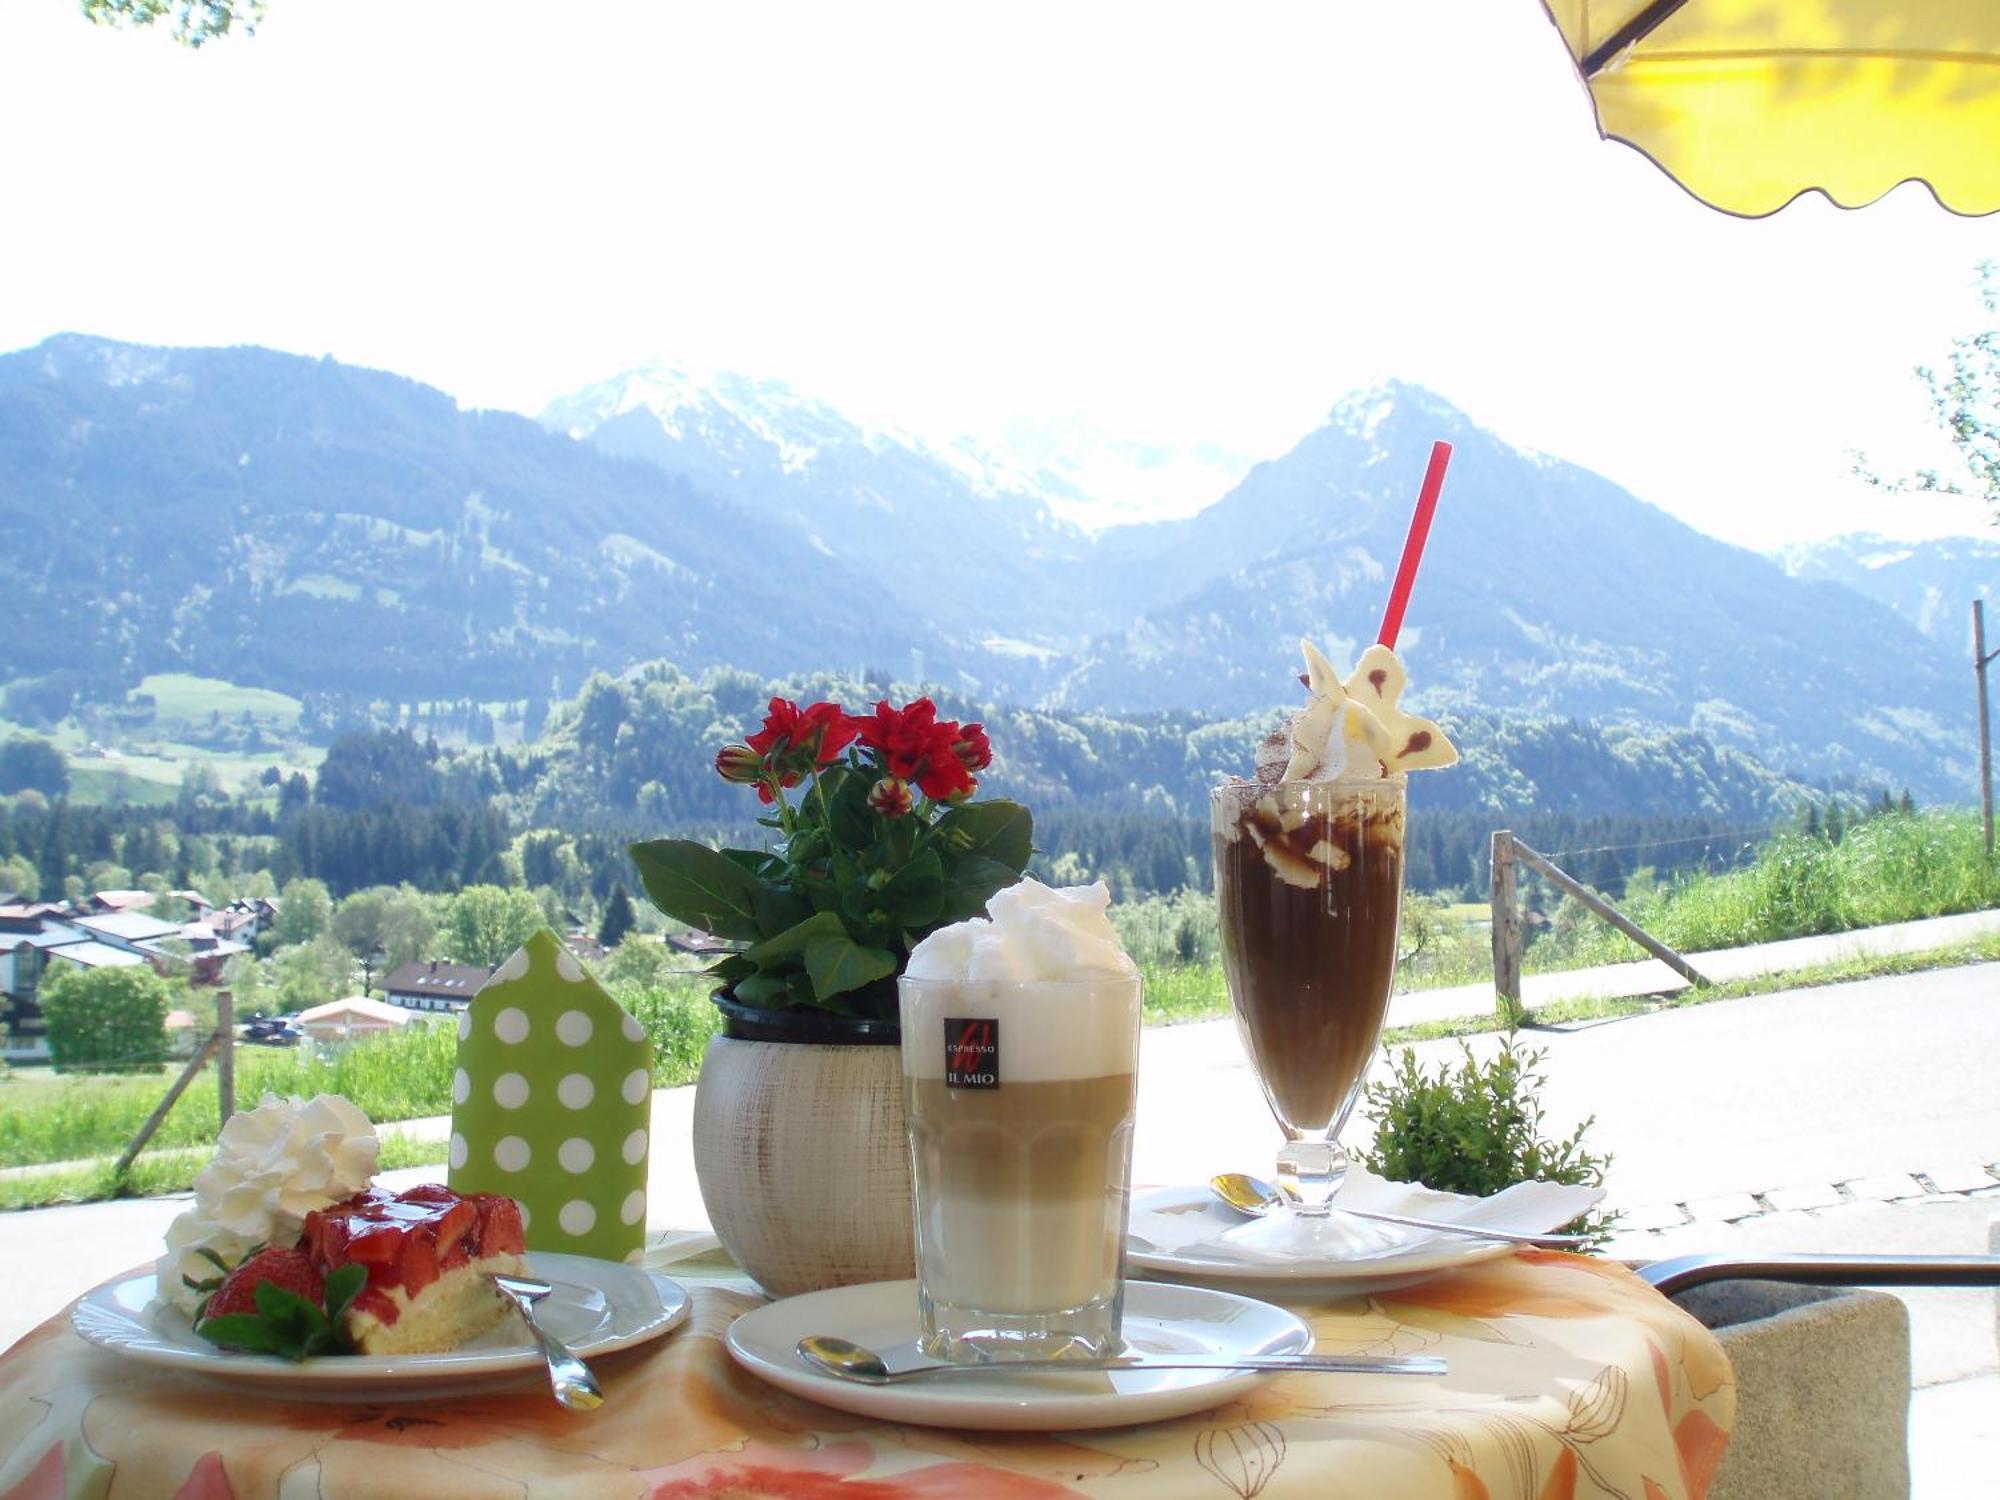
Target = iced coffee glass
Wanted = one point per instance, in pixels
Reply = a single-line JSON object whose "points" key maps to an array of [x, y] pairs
{"points": [[1020, 1097], [1309, 885]]}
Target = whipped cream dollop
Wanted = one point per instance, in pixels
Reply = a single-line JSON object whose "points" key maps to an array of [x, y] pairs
{"points": [[1032, 931], [273, 1165], [1353, 730]]}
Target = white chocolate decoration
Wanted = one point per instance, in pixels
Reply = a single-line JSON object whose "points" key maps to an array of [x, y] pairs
{"points": [[1353, 727]]}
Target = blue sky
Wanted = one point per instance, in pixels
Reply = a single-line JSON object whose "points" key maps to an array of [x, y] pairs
{"points": [[1170, 223]]}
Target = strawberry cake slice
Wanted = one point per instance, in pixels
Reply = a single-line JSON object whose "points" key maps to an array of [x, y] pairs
{"points": [[430, 1254]]}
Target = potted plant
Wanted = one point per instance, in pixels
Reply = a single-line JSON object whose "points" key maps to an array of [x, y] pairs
{"points": [[798, 1116]]}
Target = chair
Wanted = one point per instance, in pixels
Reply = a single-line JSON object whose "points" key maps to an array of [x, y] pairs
{"points": [[1822, 1370]]}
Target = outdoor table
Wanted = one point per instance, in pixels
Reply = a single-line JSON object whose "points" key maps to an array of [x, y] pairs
{"points": [[1569, 1377]]}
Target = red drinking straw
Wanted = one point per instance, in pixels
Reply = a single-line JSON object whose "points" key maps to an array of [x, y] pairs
{"points": [[1413, 545]]}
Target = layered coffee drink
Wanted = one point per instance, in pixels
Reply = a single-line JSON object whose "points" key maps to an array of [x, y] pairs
{"points": [[1020, 1091], [1309, 891]]}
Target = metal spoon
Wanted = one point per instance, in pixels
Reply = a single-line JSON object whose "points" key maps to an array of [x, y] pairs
{"points": [[569, 1377], [1256, 1197], [848, 1360]]}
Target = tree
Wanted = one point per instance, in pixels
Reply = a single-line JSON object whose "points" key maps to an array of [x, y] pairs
{"points": [[400, 920], [618, 918], [484, 924], [304, 910], [195, 21], [313, 973], [1965, 401], [106, 1018], [31, 763]]}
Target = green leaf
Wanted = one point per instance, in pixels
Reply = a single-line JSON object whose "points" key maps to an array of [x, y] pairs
{"points": [[973, 880], [700, 886], [914, 895], [837, 964], [766, 991], [998, 830], [727, 971], [759, 862], [784, 950], [342, 1287], [854, 822], [778, 910], [238, 1331]]}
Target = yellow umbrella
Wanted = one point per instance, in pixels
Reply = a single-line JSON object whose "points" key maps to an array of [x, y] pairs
{"points": [[1749, 103]]}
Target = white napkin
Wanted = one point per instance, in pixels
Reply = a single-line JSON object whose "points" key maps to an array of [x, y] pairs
{"points": [[1204, 1229]]}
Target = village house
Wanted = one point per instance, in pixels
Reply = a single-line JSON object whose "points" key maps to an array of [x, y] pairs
{"points": [[435, 985]]}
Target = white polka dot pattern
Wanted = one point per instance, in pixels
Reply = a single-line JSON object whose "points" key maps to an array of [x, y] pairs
{"points": [[577, 1217], [573, 1028], [634, 1207], [568, 967], [576, 1154], [511, 1025], [510, 1091], [638, 1083], [516, 967], [634, 1032], [461, 1086], [511, 1154], [459, 1152], [634, 1149], [464, 1025], [576, 1091]]}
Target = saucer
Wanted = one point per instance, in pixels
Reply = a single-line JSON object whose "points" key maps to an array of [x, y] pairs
{"points": [[597, 1307], [1159, 1319], [1181, 1233]]}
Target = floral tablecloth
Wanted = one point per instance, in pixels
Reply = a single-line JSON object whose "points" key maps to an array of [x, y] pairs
{"points": [[1569, 1378]]}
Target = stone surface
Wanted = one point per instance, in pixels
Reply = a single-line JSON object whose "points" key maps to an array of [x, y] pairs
{"points": [[1959, 1177], [1654, 1216], [1727, 1207], [1887, 1187], [1793, 1199]]}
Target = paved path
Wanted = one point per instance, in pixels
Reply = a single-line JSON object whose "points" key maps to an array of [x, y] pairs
{"points": [[1651, 977]]}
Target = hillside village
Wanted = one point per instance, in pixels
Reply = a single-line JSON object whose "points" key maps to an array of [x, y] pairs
{"points": [[114, 929]]}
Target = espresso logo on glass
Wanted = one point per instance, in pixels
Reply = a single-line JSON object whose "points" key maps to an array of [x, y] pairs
{"points": [[971, 1052]]}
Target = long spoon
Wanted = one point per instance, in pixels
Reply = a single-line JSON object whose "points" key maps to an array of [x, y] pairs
{"points": [[850, 1361], [1256, 1197], [570, 1380]]}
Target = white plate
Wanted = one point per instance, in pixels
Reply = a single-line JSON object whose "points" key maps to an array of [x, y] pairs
{"points": [[597, 1306], [1159, 1319], [1424, 1255]]}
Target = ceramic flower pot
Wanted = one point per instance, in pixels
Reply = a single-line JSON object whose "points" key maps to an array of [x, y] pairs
{"points": [[800, 1151]]}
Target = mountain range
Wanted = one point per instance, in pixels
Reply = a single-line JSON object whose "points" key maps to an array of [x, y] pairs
{"points": [[1931, 584], [315, 527]]}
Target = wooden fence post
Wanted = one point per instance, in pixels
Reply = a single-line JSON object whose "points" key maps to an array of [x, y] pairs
{"points": [[225, 1053], [1563, 880], [1506, 932]]}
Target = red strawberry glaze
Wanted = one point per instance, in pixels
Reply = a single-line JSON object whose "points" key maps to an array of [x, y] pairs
{"points": [[407, 1239]]}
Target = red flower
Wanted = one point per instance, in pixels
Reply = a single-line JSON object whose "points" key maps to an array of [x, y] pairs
{"points": [[972, 749], [816, 734], [913, 744], [891, 798]]}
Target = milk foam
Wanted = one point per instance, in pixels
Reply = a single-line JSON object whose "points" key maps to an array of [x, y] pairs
{"points": [[1048, 966]]}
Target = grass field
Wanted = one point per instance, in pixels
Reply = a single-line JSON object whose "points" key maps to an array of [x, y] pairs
{"points": [[179, 698], [146, 765]]}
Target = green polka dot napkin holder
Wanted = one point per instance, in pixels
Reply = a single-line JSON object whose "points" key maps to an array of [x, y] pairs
{"points": [[551, 1104]]}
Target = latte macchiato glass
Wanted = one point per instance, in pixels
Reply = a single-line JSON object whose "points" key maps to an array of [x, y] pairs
{"points": [[1309, 888], [1020, 1096]]}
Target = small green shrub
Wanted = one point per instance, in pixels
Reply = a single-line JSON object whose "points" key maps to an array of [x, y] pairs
{"points": [[106, 1019], [1476, 1128]]}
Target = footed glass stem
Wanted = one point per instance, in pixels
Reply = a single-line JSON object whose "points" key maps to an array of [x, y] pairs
{"points": [[1311, 1225]]}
